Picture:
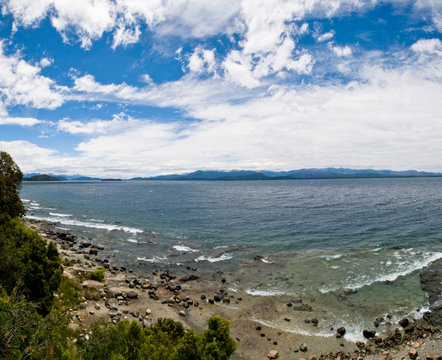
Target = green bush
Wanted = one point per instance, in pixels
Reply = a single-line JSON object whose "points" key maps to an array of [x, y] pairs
{"points": [[166, 340], [97, 275], [28, 263]]}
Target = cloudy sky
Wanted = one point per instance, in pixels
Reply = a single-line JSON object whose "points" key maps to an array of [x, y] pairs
{"points": [[141, 87]]}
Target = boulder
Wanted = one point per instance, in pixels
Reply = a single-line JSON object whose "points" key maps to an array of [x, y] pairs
{"points": [[412, 353], [341, 331], [369, 333], [273, 354], [131, 294], [404, 322], [433, 356], [303, 347]]}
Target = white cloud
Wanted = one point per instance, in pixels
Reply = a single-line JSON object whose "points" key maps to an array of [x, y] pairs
{"points": [[325, 37], [44, 62], [21, 83], [202, 61], [428, 46], [342, 51], [118, 123]]}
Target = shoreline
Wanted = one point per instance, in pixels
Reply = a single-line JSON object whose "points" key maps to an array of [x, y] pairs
{"points": [[126, 294]]}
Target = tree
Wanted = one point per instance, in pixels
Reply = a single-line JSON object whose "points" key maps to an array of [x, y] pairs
{"points": [[10, 183]]}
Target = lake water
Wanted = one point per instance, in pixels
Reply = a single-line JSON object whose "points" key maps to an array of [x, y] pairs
{"points": [[315, 238]]}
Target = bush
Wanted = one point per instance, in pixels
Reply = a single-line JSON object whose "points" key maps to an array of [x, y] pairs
{"points": [[166, 340], [97, 275], [28, 263]]}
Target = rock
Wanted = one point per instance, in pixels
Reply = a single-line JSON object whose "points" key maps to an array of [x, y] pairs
{"points": [[273, 354], [203, 297], [303, 347], [217, 298], [369, 333], [315, 321], [93, 251], [258, 327], [226, 300], [132, 294], [412, 353], [148, 311], [433, 356], [182, 313], [287, 319], [404, 322], [341, 331], [409, 329], [189, 277], [313, 357], [92, 284], [74, 327], [97, 307], [431, 284]]}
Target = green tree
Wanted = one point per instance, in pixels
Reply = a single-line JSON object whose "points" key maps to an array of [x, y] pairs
{"points": [[10, 183]]}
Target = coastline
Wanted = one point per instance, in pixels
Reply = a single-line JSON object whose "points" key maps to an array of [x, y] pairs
{"points": [[126, 294]]}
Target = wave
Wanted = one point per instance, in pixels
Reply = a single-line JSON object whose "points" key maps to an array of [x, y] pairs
{"points": [[155, 259], [407, 269], [87, 224], [183, 248], [133, 241], [60, 215], [264, 292], [211, 259], [293, 330]]}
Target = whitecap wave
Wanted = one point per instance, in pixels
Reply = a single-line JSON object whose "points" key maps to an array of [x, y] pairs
{"points": [[211, 259], [403, 271], [294, 330], [183, 248], [133, 241], [264, 292], [60, 215], [72, 222], [155, 259]]}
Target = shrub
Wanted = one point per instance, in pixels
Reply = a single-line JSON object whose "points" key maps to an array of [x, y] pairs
{"points": [[97, 275]]}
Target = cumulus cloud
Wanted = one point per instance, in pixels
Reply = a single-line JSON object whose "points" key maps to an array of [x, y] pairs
{"points": [[22, 83], [202, 60], [342, 51], [428, 46]]}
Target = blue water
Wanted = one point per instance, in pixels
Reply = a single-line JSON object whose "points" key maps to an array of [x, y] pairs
{"points": [[326, 235]]}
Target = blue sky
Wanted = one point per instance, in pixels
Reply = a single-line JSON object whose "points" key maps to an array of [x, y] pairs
{"points": [[131, 87]]}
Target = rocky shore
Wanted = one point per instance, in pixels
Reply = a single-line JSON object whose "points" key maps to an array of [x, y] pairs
{"points": [[125, 294]]}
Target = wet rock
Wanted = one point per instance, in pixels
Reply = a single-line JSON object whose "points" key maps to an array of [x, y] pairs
{"points": [[189, 277], [93, 251], [341, 330], [303, 347], [315, 322], [217, 298], [369, 333], [431, 284], [273, 354], [258, 327], [211, 301], [203, 297], [409, 329], [404, 322]]}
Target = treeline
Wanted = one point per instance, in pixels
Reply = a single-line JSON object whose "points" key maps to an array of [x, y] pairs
{"points": [[35, 300]]}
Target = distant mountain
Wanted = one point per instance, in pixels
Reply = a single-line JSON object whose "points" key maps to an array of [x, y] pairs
{"points": [[327, 173], [63, 177], [44, 177]]}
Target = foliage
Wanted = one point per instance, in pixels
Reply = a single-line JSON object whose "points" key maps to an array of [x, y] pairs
{"points": [[28, 335], [28, 263], [97, 275], [10, 182], [165, 340]]}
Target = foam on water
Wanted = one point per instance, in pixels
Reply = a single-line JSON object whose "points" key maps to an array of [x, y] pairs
{"points": [[132, 241], [403, 270], [87, 224], [264, 292], [211, 259], [155, 259], [183, 248], [60, 215]]}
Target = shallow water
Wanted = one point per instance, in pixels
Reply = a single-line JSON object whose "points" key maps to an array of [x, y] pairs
{"points": [[316, 238]]}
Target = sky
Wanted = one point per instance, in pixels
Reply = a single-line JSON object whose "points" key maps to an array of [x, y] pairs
{"points": [[123, 88]]}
